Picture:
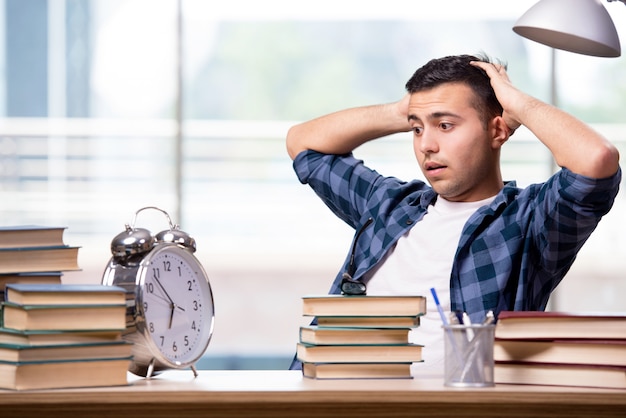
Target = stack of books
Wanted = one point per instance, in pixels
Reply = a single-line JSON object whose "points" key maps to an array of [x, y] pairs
{"points": [[360, 337], [61, 336], [34, 254], [562, 349]]}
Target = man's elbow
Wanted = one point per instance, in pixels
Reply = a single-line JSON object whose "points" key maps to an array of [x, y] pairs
{"points": [[605, 162], [293, 142]]}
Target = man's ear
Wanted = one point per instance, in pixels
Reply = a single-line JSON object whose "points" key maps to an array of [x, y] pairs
{"points": [[500, 132]]}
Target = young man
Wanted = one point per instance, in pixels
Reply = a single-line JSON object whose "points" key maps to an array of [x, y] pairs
{"points": [[484, 245]]}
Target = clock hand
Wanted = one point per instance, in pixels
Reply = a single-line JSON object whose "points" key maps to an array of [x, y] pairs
{"points": [[164, 291], [172, 304], [171, 316], [162, 298]]}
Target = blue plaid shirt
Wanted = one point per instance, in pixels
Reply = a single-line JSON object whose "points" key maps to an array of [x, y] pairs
{"points": [[512, 253]]}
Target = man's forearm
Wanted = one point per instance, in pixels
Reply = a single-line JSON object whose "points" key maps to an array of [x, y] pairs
{"points": [[343, 131], [572, 143]]}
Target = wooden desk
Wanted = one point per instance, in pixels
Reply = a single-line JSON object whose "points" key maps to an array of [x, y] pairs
{"points": [[286, 394]]}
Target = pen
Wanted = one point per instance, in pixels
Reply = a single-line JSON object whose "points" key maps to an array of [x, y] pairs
{"points": [[467, 322], [439, 308], [447, 331], [489, 318], [459, 316]]}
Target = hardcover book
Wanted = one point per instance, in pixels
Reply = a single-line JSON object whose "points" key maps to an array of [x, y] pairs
{"points": [[64, 374], [598, 352], [340, 305], [31, 236], [357, 370], [64, 294], [40, 278], [353, 336], [401, 353], [57, 352], [369, 321], [38, 259], [56, 337], [61, 317], [574, 375], [559, 325]]}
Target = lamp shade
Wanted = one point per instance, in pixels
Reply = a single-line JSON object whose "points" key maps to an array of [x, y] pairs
{"points": [[580, 26]]}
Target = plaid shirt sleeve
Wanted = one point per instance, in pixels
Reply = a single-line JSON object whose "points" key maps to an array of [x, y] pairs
{"points": [[514, 253], [342, 182]]}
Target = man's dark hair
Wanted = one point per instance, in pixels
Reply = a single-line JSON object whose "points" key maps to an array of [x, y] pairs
{"points": [[457, 69]]}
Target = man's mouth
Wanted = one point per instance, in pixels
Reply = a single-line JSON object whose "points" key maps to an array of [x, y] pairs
{"points": [[433, 166]]}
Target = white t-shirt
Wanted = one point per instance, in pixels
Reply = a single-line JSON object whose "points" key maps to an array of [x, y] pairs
{"points": [[421, 260]]}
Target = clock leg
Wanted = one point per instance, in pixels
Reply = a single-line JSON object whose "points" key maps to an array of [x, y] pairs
{"points": [[193, 369], [150, 369]]}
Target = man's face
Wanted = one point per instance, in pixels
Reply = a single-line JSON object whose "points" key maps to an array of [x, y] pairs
{"points": [[458, 156]]}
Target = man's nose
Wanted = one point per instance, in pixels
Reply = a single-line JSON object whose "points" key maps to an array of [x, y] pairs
{"points": [[428, 142]]}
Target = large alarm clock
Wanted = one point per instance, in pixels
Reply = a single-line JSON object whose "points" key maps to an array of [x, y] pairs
{"points": [[170, 311]]}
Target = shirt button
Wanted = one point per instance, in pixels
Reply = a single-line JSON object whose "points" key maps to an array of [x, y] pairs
{"points": [[409, 221]]}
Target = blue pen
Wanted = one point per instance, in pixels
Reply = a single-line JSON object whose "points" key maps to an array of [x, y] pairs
{"points": [[439, 308], [448, 332]]}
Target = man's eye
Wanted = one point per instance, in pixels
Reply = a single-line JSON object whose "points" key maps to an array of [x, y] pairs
{"points": [[418, 130], [445, 126]]}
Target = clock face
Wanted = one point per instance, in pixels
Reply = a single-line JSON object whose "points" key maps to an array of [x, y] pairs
{"points": [[177, 304]]}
